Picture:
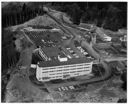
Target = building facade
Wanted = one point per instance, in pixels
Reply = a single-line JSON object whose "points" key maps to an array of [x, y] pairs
{"points": [[63, 71]]}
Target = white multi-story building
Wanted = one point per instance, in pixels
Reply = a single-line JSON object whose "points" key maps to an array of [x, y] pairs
{"points": [[50, 70]]}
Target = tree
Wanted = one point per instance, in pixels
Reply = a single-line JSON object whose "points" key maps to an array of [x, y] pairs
{"points": [[24, 7], [75, 12]]}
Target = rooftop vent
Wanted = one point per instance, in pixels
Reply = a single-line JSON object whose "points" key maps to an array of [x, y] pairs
{"points": [[62, 58]]}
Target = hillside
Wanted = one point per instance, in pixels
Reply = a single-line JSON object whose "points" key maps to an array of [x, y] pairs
{"points": [[43, 20]]}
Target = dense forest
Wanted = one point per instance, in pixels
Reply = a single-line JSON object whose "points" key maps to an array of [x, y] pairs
{"points": [[14, 18], [9, 54], [110, 15]]}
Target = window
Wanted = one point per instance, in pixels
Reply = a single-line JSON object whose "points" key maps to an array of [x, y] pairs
{"points": [[66, 66], [87, 64], [53, 77], [52, 74], [65, 76], [51, 71], [58, 76], [65, 72], [79, 65], [73, 71], [86, 67], [65, 69], [59, 70], [83, 70], [58, 73], [76, 74], [69, 69], [48, 68], [45, 78], [45, 69], [80, 68], [59, 66], [72, 66], [45, 72], [51, 68]]}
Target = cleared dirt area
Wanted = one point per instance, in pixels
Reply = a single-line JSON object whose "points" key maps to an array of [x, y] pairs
{"points": [[20, 88]]}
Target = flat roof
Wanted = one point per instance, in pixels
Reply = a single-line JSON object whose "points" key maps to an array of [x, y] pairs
{"points": [[69, 62], [37, 36], [51, 51]]}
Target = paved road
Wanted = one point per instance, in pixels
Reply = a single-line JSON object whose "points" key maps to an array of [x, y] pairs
{"points": [[116, 59], [111, 59]]}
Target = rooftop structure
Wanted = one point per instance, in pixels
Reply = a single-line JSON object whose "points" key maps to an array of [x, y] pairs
{"points": [[124, 38], [102, 35], [51, 51], [86, 26]]}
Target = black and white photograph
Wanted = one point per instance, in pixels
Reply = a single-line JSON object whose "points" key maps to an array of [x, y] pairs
{"points": [[63, 52]]}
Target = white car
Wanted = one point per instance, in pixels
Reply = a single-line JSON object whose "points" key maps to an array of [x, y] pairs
{"points": [[66, 88], [71, 87], [79, 47], [77, 56], [63, 88], [59, 89], [71, 51], [69, 56], [89, 57], [68, 48], [85, 53]]}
